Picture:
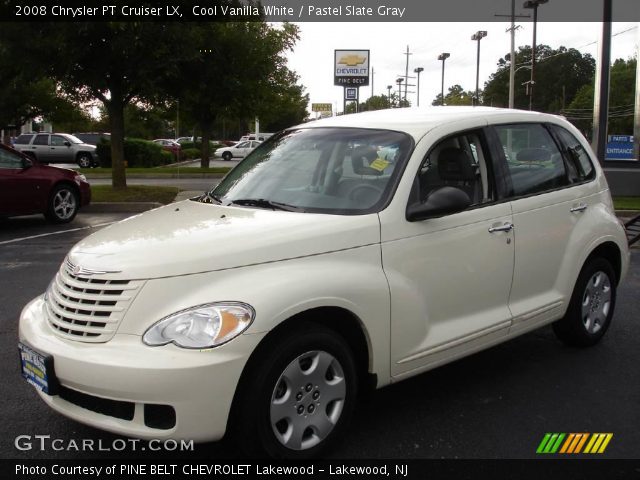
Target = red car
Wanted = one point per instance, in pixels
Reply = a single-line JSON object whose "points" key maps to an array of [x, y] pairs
{"points": [[28, 187]]}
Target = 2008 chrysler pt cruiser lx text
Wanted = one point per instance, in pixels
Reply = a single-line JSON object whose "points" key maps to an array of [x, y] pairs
{"points": [[350, 252]]}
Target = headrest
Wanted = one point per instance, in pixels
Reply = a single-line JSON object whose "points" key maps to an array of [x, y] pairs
{"points": [[454, 164], [361, 158]]}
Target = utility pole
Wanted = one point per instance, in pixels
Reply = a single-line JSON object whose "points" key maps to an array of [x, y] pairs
{"points": [[406, 73], [443, 56], [479, 35], [534, 4], [399, 81], [601, 94], [512, 58], [372, 76]]}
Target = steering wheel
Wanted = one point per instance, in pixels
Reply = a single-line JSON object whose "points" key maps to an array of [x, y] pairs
{"points": [[362, 186]]}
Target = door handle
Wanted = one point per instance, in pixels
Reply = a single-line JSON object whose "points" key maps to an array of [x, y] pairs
{"points": [[507, 227], [580, 208]]}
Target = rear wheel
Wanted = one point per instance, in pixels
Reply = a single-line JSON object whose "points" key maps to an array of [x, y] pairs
{"points": [[226, 156], [591, 308], [63, 204], [297, 398]]}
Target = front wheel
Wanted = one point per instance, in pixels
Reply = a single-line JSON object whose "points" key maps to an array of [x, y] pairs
{"points": [[226, 156], [84, 160], [63, 205], [591, 308], [297, 397]]}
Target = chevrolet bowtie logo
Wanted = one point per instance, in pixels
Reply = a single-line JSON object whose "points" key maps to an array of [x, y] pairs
{"points": [[352, 60]]}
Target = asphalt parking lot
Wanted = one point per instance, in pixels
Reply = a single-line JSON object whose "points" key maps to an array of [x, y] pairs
{"points": [[495, 404]]}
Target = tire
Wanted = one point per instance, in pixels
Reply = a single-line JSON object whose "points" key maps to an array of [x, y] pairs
{"points": [[63, 204], [591, 308], [280, 378], [85, 160], [227, 156]]}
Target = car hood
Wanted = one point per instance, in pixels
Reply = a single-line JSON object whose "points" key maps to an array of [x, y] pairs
{"points": [[192, 237]]}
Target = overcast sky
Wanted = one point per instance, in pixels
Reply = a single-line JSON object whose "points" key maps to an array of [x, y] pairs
{"points": [[313, 55]]}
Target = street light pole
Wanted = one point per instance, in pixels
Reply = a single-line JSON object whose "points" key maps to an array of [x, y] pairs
{"points": [[479, 35], [534, 4], [443, 56], [389, 87], [418, 70]]}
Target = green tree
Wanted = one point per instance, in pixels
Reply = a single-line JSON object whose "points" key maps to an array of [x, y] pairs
{"points": [[559, 74], [235, 70], [378, 102], [455, 96], [112, 62], [621, 101]]}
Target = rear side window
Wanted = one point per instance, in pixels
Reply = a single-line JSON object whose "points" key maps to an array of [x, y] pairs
{"points": [[577, 157], [535, 163], [41, 140], [23, 139]]}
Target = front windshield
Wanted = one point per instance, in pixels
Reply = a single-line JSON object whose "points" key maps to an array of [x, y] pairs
{"points": [[73, 139], [346, 171]]}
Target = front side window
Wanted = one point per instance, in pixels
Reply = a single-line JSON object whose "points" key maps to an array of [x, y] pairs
{"points": [[346, 171], [534, 161], [458, 161], [57, 141]]}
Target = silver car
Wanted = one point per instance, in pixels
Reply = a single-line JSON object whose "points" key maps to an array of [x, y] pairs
{"points": [[57, 148]]}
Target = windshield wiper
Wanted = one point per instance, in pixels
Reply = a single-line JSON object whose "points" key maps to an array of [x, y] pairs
{"points": [[264, 203], [208, 197]]}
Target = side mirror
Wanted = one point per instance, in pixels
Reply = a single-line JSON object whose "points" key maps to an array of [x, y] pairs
{"points": [[444, 201], [67, 143], [26, 163]]}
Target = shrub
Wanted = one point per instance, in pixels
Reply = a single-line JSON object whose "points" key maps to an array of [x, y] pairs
{"points": [[137, 153], [189, 153]]}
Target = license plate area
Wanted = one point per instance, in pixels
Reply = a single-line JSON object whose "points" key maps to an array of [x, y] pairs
{"points": [[37, 369]]}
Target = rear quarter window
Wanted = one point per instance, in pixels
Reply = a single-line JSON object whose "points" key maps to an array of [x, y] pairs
{"points": [[577, 157], [23, 139]]}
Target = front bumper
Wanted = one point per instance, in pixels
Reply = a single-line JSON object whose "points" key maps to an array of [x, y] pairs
{"points": [[198, 384]]}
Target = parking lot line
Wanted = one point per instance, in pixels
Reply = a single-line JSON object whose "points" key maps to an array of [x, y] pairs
{"points": [[14, 240]]}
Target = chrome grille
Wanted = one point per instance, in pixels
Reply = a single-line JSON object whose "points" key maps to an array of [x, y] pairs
{"points": [[88, 309]]}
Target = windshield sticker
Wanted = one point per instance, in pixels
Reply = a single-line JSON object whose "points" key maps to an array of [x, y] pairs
{"points": [[379, 164]]}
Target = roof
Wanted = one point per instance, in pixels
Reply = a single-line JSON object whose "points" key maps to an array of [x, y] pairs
{"points": [[417, 121]]}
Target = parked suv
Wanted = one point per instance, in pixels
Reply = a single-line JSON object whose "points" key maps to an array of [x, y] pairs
{"points": [[353, 251], [57, 148]]}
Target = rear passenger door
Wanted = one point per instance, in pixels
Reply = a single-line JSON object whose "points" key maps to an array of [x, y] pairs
{"points": [[547, 200], [40, 148]]}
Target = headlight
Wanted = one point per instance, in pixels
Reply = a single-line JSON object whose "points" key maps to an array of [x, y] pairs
{"points": [[203, 326], [80, 178]]}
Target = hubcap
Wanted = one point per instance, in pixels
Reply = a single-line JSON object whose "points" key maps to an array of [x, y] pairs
{"points": [[596, 302], [64, 204], [307, 400]]}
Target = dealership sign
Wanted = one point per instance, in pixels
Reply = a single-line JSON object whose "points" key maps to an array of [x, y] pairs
{"points": [[619, 147], [351, 68]]}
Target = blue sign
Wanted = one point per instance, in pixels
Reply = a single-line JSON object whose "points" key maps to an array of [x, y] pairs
{"points": [[619, 147], [351, 93]]}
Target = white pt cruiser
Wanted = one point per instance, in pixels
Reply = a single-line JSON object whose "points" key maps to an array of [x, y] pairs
{"points": [[342, 254]]}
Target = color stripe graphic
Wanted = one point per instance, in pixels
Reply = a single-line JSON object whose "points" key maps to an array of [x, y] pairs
{"points": [[574, 443]]}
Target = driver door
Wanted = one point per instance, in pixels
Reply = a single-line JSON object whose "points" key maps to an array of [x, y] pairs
{"points": [[450, 277]]}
